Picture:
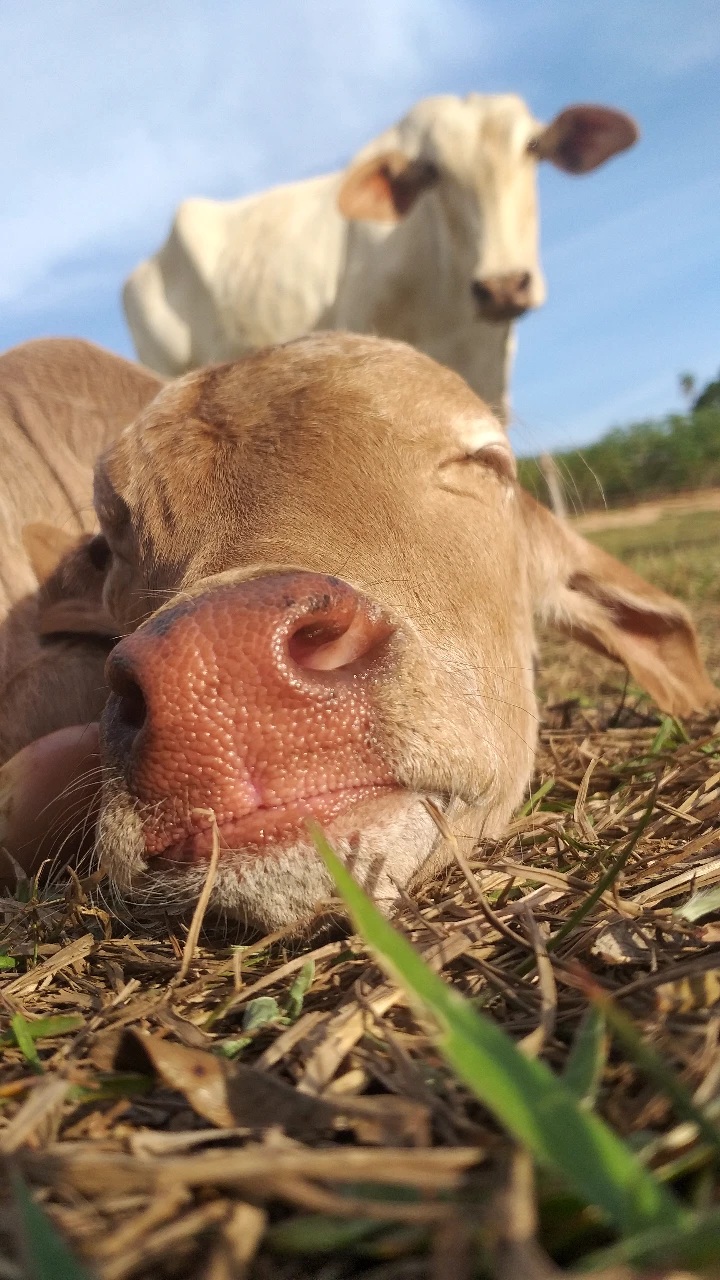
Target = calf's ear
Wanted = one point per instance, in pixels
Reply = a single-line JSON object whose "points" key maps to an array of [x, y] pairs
{"points": [[582, 138], [71, 575], [591, 596], [385, 188], [45, 547]]}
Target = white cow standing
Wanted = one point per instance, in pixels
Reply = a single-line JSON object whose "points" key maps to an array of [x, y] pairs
{"points": [[430, 235]]}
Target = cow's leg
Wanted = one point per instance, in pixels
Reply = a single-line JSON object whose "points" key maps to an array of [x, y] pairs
{"points": [[49, 798]]}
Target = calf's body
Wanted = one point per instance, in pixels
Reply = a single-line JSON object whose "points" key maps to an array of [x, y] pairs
{"points": [[61, 402]]}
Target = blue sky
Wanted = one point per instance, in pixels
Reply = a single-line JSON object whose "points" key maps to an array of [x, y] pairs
{"points": [[114, 111]]}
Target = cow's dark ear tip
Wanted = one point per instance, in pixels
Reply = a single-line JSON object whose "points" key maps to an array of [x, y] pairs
{"points": [[584, 136]]}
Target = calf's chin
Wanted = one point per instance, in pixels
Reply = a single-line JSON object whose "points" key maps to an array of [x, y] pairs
{"points": [[389, 844]]}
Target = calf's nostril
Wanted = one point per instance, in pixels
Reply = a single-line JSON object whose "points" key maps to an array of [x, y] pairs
{"points": [[314, 646], [332, 645], [131, 706]]}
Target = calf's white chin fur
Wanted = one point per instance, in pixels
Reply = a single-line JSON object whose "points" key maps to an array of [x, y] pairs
{"points": [[276, 888]]}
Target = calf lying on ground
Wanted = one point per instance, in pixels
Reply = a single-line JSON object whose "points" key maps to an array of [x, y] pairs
{"points": [[325, 574]]}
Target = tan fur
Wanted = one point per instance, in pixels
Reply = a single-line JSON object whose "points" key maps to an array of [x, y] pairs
{"points": [[61, 402]]}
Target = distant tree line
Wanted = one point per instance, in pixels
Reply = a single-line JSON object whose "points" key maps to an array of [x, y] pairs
{"points": [[642, 460]]}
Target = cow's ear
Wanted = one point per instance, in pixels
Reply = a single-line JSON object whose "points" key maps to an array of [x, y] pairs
{"points": [[591, 596], [71, 574], [582, 138], [385, 188]]}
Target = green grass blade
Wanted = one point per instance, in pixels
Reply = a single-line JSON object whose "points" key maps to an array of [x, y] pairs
{"points": [[320, 1233], [693, 1243], [649, 1061], [22, 1035], [43, 1028], [670, 734], [106, 1088], [522, 1093], [532, 804], [587, 1058], [47, 1255], [299, 990]]}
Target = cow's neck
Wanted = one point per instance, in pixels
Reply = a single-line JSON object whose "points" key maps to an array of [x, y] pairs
{"points": [[483, 354], [405, 282]]}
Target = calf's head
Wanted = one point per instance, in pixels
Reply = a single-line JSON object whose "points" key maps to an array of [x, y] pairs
{"points": [[478, 156], [325, 574]]}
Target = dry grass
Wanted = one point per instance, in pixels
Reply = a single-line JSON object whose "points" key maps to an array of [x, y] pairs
{"points": [[651, 511], [156, 1161]]}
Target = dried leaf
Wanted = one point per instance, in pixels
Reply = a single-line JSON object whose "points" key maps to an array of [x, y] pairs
{"points": [[63, 959], [39, 1110], [686, 994], [229, 1095], [234, 1096], [621, 943]]}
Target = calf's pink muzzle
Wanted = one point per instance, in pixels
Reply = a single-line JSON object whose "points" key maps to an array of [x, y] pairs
{"points": [[253, 702]]}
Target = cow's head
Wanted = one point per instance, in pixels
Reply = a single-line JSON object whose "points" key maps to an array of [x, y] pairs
{"points": [[478, 155], [326, 574]]}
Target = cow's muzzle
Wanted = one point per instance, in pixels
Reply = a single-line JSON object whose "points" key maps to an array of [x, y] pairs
{"points": [[503, 297]]}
